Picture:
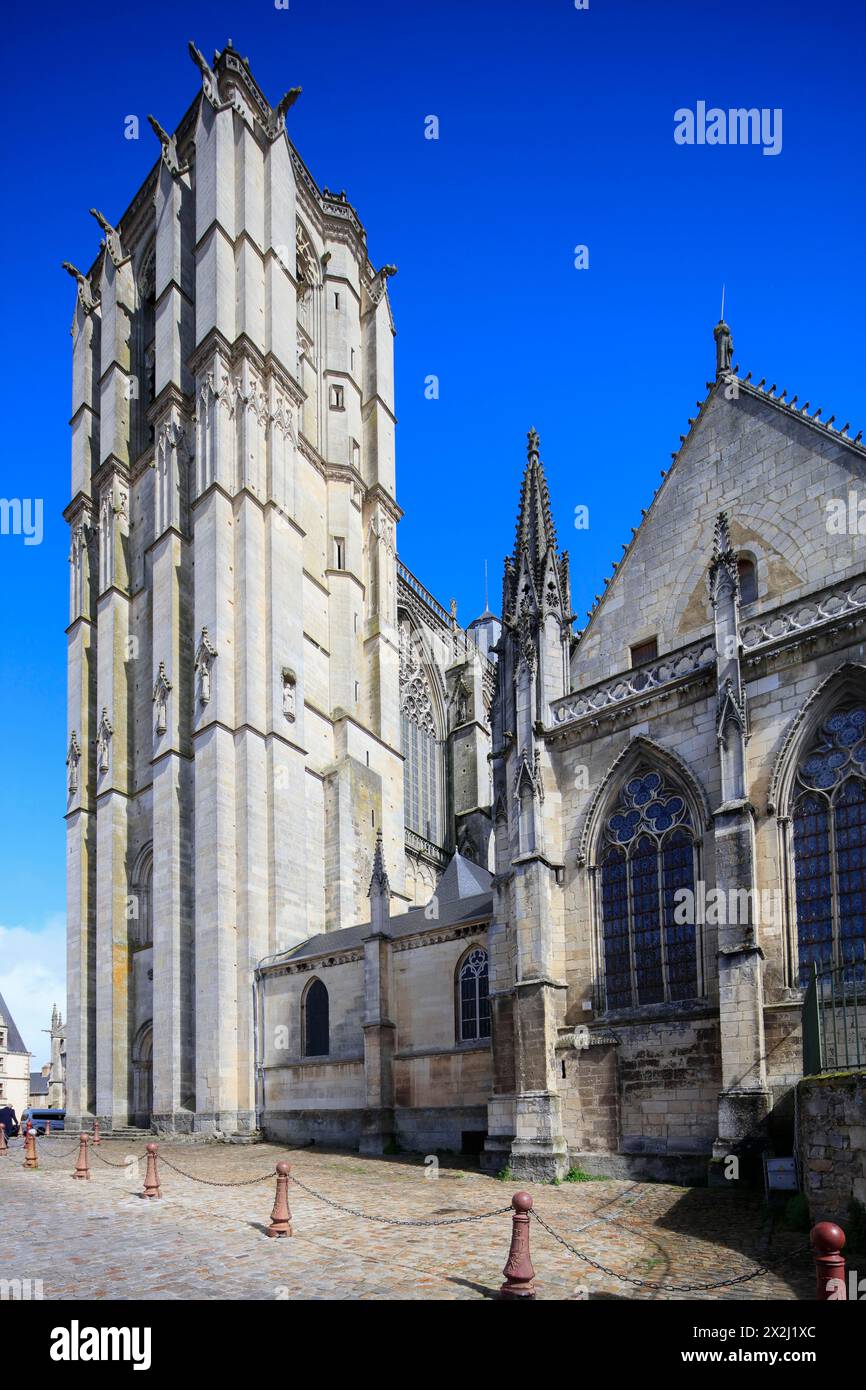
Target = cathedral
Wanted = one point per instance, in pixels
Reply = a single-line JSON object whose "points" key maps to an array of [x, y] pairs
{"points": [[340, 870]]}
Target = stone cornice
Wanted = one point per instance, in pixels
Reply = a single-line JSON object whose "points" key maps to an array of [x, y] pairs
{"points": [[437, 936], [266, 735]]}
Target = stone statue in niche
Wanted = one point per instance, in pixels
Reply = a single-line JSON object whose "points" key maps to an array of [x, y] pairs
{"points": [[289, 685], [204, 659]]}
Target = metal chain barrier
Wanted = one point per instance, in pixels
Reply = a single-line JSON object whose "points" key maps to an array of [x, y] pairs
{"points": [[635, 1280], [51, 1152], [663, 1288], [397, 1221], [136, 1158], [211, 1182]]}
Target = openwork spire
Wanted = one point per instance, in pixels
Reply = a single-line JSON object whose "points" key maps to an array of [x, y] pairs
{"points": [[535, 545]]}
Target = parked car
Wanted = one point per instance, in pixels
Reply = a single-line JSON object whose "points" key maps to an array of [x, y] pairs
{"points": [[10, 1120], [43, 1121]]}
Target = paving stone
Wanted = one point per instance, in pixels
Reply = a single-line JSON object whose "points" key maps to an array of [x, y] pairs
{"points": [[102, 1240]]}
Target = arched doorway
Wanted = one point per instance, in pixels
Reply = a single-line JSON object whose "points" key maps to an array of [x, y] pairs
{"points": [[142, 1076]]}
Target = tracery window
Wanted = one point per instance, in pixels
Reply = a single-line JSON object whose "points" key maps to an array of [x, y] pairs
{"points": [[830, 846], [422, 750], [647, 855], [474, 997], [316, 1020]]}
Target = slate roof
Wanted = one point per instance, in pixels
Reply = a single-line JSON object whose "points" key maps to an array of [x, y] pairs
{"points": [[464, 894], [14, 1042], [38, 1084]]}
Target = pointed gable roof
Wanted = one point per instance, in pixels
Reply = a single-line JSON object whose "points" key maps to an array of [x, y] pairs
{"points": [[14, 1041], [462, 879], [727, 385]]}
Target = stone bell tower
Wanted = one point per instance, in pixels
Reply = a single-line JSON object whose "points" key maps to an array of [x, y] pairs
{"points": [[527, 982], [233, 658]]}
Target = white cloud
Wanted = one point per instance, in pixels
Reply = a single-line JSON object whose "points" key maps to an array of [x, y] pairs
{"points": [[33, 978]]}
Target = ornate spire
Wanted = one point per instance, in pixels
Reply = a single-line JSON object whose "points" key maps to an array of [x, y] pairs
{"points": [[380, 886], [535, 545], [722, 573]]}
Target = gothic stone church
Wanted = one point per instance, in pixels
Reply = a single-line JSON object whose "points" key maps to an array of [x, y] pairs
{"points": [[339, 869]]}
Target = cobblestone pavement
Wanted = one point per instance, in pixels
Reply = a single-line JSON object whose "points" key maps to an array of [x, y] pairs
{"points": [[101, 1239]]}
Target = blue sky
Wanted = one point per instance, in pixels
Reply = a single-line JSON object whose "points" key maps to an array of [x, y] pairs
{"points": [[556, 130]]}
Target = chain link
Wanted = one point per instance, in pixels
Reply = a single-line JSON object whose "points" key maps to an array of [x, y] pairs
{"points": [[136, 1158], [211, 1182], [394, 1220], [663, 1288], [49, 1151]]}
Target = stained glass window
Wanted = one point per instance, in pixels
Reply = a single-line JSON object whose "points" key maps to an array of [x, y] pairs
{"points": [[474, 1000], [830, 846], [422, 750], [648, 856]]}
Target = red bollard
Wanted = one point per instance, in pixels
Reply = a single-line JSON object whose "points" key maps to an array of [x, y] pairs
{"points": [[151, 1177], [827, 1240], [96, 1139], [518, 1270], [81, 1168], [31, 1158], [4, 1147], [281, 1217]]}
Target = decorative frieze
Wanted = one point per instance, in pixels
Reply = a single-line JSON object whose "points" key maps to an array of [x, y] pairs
{"points": [[648, 680], [805, 616]]}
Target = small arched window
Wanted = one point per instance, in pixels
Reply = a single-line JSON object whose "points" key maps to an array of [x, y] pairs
{"points": [[316, 1020], [647, 859], [748, 576], [141, 901], [473, 999]]}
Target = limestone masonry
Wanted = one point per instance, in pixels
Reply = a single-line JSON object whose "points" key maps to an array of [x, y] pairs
{"points": [[341, 869]]}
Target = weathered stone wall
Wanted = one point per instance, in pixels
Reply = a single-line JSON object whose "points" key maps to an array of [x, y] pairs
{"points": [[832, 1143]]}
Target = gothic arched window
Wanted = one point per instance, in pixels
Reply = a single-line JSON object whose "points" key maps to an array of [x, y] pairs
{"points": [[142, 386], [647, 855], [422, 750], [473, 998], [316, 1020], [830, 846], [748, 577]]}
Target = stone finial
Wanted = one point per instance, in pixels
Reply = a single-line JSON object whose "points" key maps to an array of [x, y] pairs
{"points": [[111, 239], [379, 282], [380, 886], [533, 446], [85, 294], [170, 157], [277, 122], [722, 574], [721, 536], [724, 348], [208, 76]]}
